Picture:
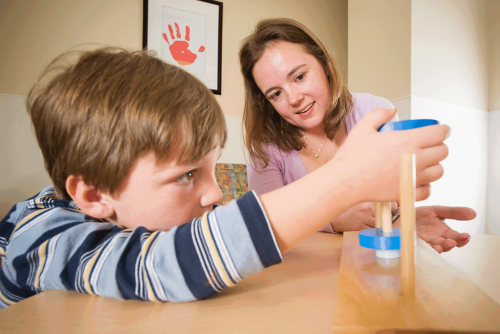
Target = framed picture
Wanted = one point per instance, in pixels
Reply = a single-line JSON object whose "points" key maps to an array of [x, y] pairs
{"points": [[188, 34]]}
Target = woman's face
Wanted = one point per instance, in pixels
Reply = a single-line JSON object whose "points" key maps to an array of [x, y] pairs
{"points": [[294, 82]]}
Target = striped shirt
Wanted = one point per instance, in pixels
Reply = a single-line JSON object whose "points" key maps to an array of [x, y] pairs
{"points": [[48, 243]]}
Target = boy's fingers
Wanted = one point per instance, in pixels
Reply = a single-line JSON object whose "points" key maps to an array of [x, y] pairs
{"points": [[431, 155], [377, 117], [428, 136], [430, 174], [422, 192]]}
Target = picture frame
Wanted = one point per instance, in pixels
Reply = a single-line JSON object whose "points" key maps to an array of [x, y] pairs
{"points": [[187, 34]]}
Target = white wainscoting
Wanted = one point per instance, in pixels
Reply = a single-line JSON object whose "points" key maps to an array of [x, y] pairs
{"points": [[493, 197], [465, 177], [22, 171], [234, 152]]}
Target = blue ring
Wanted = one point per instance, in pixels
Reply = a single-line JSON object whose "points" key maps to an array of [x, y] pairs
{"points": [[373, 238], [407, 125]]}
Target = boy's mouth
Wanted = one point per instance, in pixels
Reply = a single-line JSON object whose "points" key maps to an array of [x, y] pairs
{"points": [[307, 109]]}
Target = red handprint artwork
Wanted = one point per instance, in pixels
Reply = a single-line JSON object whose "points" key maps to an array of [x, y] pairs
{"points": [[179, 49]]}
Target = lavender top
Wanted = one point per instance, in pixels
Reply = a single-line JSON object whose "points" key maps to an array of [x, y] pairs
{"points": [[286, 167]]}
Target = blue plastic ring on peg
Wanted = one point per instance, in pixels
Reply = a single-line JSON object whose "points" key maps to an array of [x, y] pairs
{"points": [[373, 238], [407, 125]]}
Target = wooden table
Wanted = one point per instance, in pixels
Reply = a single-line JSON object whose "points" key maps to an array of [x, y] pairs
{"points": [[369, 297], [297, 296]]}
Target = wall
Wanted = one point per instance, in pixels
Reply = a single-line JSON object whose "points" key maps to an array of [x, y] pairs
{"points": [[493, 207], [32, 33], [493, 194], [450, 52], [379, 47], [493, 9], [449, 82]]}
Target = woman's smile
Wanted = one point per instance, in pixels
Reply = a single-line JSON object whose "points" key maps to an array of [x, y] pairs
{"points": [[307, 111]]}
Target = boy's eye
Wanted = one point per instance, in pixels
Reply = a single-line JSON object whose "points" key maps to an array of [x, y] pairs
{"points": [[186, 177]]}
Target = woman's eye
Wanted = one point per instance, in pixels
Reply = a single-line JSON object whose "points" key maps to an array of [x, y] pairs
{"points": [[186, 177], [276, 94], [300, 77]]}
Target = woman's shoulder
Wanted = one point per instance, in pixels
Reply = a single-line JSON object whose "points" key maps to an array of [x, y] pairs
{"points": [[277, 156], [366, 102], [362, 104]]}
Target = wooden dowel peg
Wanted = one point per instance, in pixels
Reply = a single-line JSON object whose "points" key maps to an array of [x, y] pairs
{"points": [[408, 235], [378, 215], [386, 219]]}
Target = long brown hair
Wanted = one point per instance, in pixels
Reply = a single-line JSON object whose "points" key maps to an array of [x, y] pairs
{"points": [[261, 122], [95, 116]]}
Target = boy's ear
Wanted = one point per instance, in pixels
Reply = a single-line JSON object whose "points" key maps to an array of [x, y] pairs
{"points": [[91, 201]]}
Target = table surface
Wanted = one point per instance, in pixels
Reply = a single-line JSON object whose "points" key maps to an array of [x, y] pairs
{"points": [[296, 296]]}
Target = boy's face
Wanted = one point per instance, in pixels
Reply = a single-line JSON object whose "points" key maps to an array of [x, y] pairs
{"points": [[162, 196]]}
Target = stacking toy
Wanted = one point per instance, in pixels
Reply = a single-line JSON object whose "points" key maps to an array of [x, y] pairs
{"points": [[383, 238]]}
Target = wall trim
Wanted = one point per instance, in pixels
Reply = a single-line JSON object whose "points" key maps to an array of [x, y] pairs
{"points": [[14, 95], [401, 98]]}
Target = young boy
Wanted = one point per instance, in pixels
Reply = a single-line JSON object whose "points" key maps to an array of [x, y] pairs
{"points": [[131, 143]]}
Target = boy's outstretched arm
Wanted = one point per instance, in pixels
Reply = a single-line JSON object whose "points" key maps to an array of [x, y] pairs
{"points": [[49, 244], [366, 169]]}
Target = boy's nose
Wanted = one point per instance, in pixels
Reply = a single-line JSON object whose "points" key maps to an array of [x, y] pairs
{"points": [[212, 194]]}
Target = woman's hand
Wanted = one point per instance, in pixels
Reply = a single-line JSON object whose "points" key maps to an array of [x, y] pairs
{"points": [[432, 229], [357, 218]]}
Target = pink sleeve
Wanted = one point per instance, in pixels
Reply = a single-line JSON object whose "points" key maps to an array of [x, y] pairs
{"points": [[267, 179]]}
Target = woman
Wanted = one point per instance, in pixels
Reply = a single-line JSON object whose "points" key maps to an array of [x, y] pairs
{"points": [[298, 113]]}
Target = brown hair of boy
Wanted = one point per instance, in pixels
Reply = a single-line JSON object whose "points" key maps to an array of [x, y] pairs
{"points": [[262, 123], [95, 117]]}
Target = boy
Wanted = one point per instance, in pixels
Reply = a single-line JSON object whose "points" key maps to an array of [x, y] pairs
{"points": [[131, 144]]}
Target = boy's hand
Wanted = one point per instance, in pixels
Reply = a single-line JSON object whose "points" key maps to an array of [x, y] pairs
{"points": [[365, 169], [433, 230], [370, 159]]}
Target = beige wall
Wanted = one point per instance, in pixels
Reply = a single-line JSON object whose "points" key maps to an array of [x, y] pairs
{"points": [[379, 47], [493, 9], [33, 32]]}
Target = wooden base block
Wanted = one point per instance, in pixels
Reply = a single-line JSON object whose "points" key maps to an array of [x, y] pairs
{"points": [[369, 296]]}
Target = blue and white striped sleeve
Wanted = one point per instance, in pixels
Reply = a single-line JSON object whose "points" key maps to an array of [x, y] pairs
{"points": [[50, 250]]}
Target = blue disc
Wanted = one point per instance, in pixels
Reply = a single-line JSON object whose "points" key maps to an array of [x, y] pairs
{"points": [[374, 238], [407, 125]]}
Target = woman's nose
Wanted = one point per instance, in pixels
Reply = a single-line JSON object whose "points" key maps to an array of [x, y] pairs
{"points": [[295, 97]]}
